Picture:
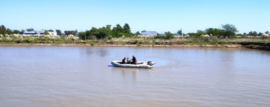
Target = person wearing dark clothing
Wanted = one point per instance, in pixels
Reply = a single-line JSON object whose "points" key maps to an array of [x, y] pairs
{"points": [[124, 61], [134, 60]]}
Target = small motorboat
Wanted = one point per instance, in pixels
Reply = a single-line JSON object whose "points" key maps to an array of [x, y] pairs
{"points": [[139, 64]]}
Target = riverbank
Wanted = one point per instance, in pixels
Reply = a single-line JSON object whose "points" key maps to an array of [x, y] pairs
{"points": [[141, 42], [150, 46]]}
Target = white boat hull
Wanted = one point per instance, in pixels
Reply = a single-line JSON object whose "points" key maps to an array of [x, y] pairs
{"points": [[117, 63]]}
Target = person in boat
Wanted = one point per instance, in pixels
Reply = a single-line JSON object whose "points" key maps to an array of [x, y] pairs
{"points": [[124, 61], [134, 60], [128, 61]]}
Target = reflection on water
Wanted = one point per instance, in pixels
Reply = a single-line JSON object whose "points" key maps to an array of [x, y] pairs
{"points": [[101, 51], [83, 76], [115, 69], [130, 72]]}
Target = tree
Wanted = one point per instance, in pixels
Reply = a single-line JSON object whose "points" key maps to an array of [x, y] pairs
{"points": [[9, 31], [109, 27], [255, 33], [239, 34], [102, 33], [169, 35], [115, 33], [126, 29], [22, 31], [58, 32], [260, 34], [46, 32], [29, 29], [229, 30], [70, 32], [180, 32], [3, 27], [266, 32], [119, 28], [90, 33], [114, 29], [82, 35], [199, 33], [50, 30], [2, 31], [245, 34], [16, 31], [137, 33], [192, 34], [250, 33], [118, 31], [214, 31]]}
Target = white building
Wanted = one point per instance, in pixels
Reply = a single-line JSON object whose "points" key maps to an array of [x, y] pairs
{"points": [[148, 33], [39, 33], [52, 33]]}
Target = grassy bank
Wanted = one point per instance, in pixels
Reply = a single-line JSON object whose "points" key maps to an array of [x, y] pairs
{"points": [[244, 42]]}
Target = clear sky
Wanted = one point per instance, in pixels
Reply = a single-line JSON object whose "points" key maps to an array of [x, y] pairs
{"points": [[152, 15]]}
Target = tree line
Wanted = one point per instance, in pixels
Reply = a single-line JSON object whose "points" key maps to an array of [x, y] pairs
{"points": [[107, 31], [99, 33], [227, 30], [254, 33], [4, 30]]}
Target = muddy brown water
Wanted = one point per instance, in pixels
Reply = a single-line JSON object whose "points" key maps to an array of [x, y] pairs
{"points": [[33, 76]]}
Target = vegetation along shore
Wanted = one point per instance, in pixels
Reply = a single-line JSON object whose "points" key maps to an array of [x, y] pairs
{"points": [[226, 37]]}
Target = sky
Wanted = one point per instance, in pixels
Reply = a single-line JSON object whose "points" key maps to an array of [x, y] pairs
{"points": [[150, 15]]}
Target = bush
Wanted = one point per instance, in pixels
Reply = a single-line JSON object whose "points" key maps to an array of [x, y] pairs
{"points": [[28, 40], [123, 43], [111, 41], [206, 40], [92, 43], [140, 42], [153, 42], [136, 41], [216, 40], [19, 40], [159, 37]]}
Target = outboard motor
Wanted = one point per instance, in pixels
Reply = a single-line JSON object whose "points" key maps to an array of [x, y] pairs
{"points": [[150, 63]]}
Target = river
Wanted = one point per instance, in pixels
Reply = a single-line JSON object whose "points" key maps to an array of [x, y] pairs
{"points": [[36, 76]]}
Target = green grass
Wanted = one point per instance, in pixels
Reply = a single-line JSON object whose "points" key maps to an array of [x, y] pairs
{"points": [[92, 43], [205, 43], [123, 43], [59, 42]]}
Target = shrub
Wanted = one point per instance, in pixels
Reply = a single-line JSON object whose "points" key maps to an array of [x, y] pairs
{"points": [[216, 40], [92, 43], [206, 39], [140, 42], [123, 43]]}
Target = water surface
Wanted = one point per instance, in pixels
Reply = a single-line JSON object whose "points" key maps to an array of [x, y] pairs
{"points": [[83, 76]]}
